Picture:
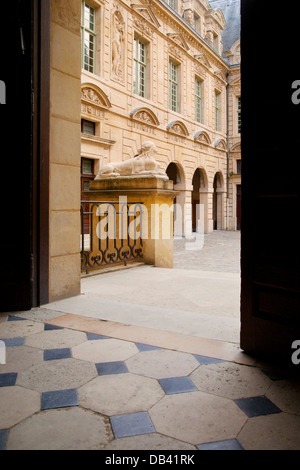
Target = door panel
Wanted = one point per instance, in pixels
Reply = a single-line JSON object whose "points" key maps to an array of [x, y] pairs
{"points": [[270, 294]]}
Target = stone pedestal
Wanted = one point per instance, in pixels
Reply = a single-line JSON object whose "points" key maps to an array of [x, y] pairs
{"points": [[156, 195]]}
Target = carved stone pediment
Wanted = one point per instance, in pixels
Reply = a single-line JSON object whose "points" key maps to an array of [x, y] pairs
{"points": [[179, 39], [144, 115], [221, 144], [203, 137], [146, 12], [221, 75], [93, 95], [94, 102], [202, 58], [177, 127]]}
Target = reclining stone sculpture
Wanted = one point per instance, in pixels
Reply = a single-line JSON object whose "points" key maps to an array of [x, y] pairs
{"points": [[142, 164]]}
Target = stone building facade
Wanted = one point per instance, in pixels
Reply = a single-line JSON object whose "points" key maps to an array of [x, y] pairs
{"points": [[159, 71]]}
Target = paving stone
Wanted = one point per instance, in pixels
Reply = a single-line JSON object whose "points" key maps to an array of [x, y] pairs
{"points": [[3, 437], [153, 441], [230, 380], [286, 395], [12, 342], [132, 424], [8, 380], [177, 385], [16, 404], [231, 444], [108, 368], [57, 375], [55, 339], [257, 406], [197, 417], [59, 399], [105, 351], [61, 429], [15, 329], [121, 393], [20, 358], [54, 354], [273, 432], [162, 364]]}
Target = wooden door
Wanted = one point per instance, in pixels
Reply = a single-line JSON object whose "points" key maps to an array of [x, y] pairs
{"points": [[270, 294]]}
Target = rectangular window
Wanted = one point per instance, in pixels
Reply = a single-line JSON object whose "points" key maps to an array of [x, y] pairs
{"points": [[197, 26], [217, 110], [173, 4], [216, 42], [198, 100], [87, 166], [239, 166], [140, 68], [87, 127], [173, 86], [239, 115], [88, 37]]}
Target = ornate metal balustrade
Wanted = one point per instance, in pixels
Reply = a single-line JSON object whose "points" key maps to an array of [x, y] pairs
{"points": [[110, 233]]}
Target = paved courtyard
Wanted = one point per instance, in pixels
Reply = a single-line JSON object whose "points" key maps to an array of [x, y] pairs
{"points": [[134, 363]]}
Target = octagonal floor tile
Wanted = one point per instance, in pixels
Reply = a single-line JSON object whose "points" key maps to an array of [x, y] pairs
{"points": [[20, 358], [57, 375], [109, 350], [14, 329], [231, 380], [152, 441], [120, 394], [55, 339], [16, 404], [286, 395], [197, 417], [272, 432], [55, 430], [162, 364]]}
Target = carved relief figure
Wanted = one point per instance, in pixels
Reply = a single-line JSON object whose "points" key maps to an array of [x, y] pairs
{"points": [[117, 45], [142, 164]]}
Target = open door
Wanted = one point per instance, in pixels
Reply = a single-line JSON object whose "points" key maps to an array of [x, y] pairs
{"points": [[270, 294], [24, 146]]}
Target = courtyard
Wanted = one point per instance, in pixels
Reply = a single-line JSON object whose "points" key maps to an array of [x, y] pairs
{"points": [[145, 358]]}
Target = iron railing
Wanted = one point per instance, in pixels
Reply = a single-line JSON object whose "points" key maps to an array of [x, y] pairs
{"points": [[109, 233]]}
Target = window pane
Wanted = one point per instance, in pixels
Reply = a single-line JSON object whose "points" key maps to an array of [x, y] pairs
{"points": [[88, 37], [239, 114], [139, 82], [88, 127], [87, 166], [198, 100]]}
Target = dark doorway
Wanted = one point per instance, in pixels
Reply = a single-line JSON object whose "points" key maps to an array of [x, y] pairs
{"points": [[270, 265], [24, 237]]}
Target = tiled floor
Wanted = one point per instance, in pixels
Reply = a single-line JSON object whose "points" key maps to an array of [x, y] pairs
{"points": [[71, 382]]}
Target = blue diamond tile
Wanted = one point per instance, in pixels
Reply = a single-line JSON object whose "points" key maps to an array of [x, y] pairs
{"points": [[48, 327], [207, 360], [146, 347], [54, 354], [8, 380], [132, 425], [13, 318], [257, 406], [12, 342], [3, 437], [59, 399], [107, 368], [91, 336], [177, 385], [230, 444]]}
